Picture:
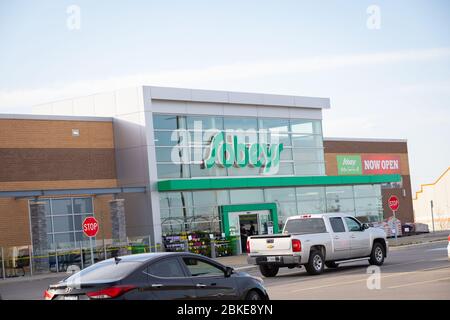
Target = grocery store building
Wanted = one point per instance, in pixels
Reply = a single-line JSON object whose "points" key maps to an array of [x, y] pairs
{"points": [[185, 164]]}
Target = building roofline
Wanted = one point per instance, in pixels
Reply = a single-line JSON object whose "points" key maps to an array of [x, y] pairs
{"points": [[53, 117], [236, 97], [363, 139], [431, 184]]}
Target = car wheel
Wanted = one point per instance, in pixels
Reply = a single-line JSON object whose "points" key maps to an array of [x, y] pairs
{"points": [[315, 263], [377, 255], [331, 264], [268, 271], [253, 295]]}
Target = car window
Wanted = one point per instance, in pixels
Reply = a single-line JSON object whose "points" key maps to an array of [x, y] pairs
{"points": [[305, 226], [352, 224], [166, 268], [337, 225], [107, 270], [199, 267]]}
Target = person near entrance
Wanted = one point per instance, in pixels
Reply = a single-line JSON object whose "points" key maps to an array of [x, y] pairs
{"points": [[243, 239], [252, 229]]}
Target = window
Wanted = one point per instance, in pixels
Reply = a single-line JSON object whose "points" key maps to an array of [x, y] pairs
{"points": [[352, 224], [166, 268], [337, 225], [64, 217], [305, 226], [105, 271], [82, 205], [198, 267], [61, 206], [168, 122]]}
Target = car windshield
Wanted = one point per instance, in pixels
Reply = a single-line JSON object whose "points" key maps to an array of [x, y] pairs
{"points": [[105, 271], [305, 226]]}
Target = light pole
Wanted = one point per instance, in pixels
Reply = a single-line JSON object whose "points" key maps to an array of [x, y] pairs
{"points": [[432, 215]]}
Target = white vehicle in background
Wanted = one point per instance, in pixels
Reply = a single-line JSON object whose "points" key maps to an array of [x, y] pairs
{"points": [[315, 241]]}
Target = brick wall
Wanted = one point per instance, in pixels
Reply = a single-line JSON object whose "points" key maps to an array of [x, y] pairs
{"points": [[43, 154], [332, 148]]}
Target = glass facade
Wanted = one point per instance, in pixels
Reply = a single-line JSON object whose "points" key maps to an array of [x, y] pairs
{"points": [[182, 142], [199, 210], [64, 219]]}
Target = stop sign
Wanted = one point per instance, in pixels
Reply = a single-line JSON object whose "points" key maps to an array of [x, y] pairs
{"points": [[394, 203], [90, 226]]}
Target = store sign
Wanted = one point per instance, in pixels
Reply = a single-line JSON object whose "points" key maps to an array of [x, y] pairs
{"points": [[380, 164], [226, 150], [349, 165], [368, 164]]}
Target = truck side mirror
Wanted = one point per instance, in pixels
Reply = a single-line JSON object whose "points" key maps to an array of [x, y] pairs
{"points": [[364, 226]]}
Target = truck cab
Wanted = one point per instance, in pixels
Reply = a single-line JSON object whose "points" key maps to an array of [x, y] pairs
{"points": [[315, 241]]}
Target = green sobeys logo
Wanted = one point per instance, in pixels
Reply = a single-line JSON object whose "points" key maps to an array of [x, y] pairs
{"points": [[349, 164], [226, 151]]}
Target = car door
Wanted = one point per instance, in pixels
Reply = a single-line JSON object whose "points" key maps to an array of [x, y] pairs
{"points": [[341, 239], [167, 280], [210, 280], [359, 238]]}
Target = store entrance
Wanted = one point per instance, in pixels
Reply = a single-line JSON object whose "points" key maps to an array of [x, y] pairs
{"points": [[243, 220], [250, 223]]}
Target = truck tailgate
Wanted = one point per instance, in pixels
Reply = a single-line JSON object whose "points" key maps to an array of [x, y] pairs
{"points": [[271, 245]]}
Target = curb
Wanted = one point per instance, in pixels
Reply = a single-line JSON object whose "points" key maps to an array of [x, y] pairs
{"points": [[400, 246]]}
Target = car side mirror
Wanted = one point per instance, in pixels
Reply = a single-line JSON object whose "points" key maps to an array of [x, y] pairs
{"points": [[228, 272], [364, 226]]}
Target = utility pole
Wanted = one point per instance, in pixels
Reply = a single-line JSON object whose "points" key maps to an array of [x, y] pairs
{"points": [[432, 215]]}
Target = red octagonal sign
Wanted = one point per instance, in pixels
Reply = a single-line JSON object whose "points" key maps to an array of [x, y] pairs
{"points": [[394, 203], [90, 226]]}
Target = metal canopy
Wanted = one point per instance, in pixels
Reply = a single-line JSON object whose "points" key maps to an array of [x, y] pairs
{"points": [[58, 192], [271, 182]]}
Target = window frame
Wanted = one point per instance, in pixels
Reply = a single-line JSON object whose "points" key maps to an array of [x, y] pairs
{"points": [[205, 261], [180, 264], [355, 220], [343, 225]]}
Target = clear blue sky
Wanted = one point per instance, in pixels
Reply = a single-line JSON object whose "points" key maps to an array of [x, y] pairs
{"points": [[392, 82]]}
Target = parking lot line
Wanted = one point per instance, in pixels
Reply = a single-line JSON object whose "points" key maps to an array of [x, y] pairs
{"points": [[362, 280], [417, 283], [337, 272]]}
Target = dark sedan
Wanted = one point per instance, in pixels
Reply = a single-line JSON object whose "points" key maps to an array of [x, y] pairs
{"points": [[168, 275]]}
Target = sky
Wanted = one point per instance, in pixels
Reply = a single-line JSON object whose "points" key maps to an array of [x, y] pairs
{"points": [[385, 65]]}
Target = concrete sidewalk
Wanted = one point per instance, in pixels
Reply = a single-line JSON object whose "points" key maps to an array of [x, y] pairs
{"points": [[420, 238]]}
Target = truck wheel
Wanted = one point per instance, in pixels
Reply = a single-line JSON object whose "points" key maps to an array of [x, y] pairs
{"points": [[377, 255], [315, 263], [331, 264], [268, 270]]}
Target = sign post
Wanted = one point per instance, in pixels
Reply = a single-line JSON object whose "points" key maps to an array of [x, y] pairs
{"points": [[432, 215], [90, 229], [394, 203]]}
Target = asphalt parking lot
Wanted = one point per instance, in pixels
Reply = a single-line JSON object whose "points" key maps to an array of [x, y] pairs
{"points": [[411, 272], [415, 272]]}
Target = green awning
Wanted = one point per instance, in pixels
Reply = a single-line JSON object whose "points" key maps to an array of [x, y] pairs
{"points": [[270, 182]]}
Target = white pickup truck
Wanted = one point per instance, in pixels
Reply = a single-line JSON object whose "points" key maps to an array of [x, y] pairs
{"points": [[315, 240]]}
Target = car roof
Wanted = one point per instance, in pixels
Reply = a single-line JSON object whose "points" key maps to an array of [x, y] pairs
{"points": [[321, 215], [147, 257]]}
